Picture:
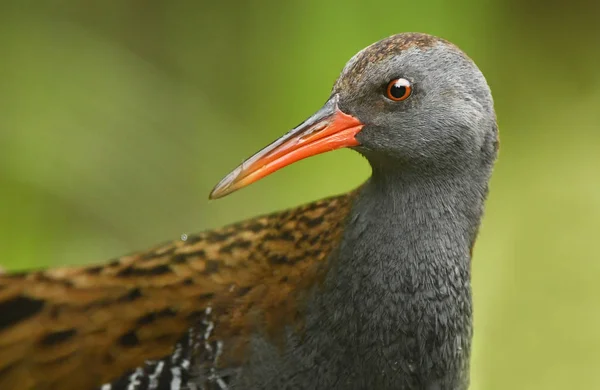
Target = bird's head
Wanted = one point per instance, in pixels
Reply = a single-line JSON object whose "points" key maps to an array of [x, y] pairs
{"points": [[411, 102]]}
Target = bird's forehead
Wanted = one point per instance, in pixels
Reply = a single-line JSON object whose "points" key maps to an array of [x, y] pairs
{"points": [[355, 68]]}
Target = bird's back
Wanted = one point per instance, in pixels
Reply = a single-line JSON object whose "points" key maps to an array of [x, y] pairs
{"points": [[157, 318]]}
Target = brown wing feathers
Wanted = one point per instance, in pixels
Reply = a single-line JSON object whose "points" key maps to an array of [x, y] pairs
{"points": [[76, 328]]}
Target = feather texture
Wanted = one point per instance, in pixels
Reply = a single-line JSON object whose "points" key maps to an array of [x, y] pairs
{"points": [[143, 320]]}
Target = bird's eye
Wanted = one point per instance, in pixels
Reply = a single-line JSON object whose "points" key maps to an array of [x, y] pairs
{"points": [[398, 89]]}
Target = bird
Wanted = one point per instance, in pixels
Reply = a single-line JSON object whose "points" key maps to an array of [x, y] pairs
{"points": [[369, 289]]}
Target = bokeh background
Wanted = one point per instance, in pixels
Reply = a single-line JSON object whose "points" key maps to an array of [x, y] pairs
{"points": [[118, 117]]}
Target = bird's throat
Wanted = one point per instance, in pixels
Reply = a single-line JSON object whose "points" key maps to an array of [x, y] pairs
{"points": [[400, 281]]}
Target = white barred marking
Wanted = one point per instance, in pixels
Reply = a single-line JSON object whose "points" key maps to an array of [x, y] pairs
{"points": [[155, 373], [219, 351], [176, 382], [152, 379], [133, 379], [222, 383], [185, 364], [176, 353]]}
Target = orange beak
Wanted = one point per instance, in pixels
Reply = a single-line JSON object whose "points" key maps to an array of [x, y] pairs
{"points": [[328, 129]]}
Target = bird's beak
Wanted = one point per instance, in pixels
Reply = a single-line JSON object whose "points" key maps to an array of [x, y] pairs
{"points": [[328, 129]]}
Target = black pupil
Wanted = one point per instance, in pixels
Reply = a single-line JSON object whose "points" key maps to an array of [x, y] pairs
{"points": [[398, 90]]}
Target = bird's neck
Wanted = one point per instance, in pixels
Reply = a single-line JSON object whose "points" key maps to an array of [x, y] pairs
{"points": [[416, 219], [402, 273]]}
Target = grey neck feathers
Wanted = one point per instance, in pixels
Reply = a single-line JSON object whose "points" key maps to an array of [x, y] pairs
{"points": [[400, 282], [394, 311]]}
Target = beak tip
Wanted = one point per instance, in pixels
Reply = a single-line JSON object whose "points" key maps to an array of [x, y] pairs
{"points": [[217, 192], [227, 185]]}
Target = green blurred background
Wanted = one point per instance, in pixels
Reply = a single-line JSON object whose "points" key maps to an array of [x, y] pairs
{"points": [[118, 117]]}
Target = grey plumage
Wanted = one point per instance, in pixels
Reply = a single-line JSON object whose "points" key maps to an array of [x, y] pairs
{"points": [[395, 311], [394, 307]]}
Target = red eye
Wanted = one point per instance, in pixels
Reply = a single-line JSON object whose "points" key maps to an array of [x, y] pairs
{"points": [[398, 90]]}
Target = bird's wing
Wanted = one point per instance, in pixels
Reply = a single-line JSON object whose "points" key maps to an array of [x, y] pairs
{"points": [[78, 328]]}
